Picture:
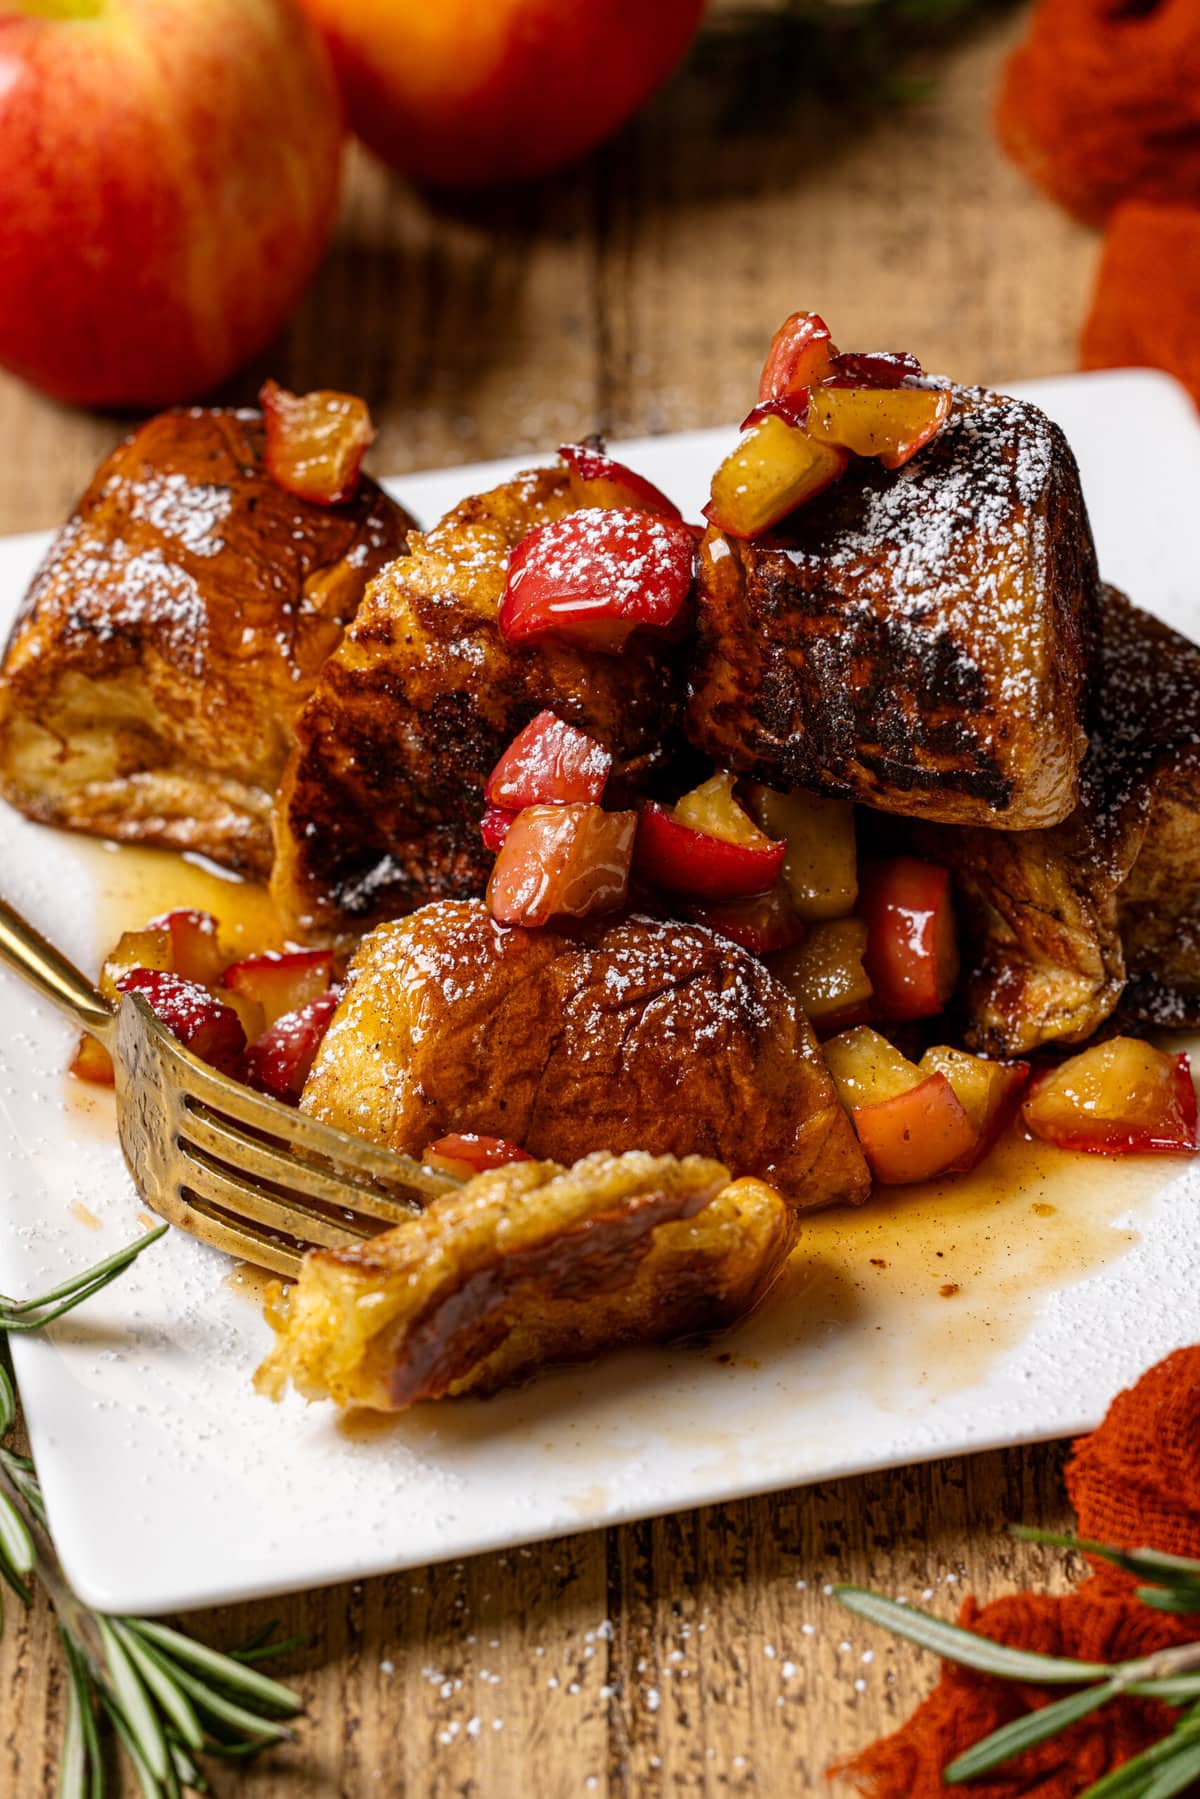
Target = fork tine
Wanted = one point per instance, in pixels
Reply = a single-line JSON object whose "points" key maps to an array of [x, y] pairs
{"points": [[243, 1242], [303, 1135], [213, 1137], [214, 1185], [239, 1170]]}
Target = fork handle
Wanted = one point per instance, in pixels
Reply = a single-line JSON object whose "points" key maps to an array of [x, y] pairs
{"points": [[49, 971]]}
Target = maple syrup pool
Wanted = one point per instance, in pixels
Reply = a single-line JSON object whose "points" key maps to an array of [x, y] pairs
{"points": [[925, 1284]]}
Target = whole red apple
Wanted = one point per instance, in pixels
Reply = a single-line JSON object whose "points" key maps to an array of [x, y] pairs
{"points": [[169, 172], [470, 93]]}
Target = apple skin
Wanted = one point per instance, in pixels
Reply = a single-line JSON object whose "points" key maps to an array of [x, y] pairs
{"points": [[170, 172], [475, 93]]}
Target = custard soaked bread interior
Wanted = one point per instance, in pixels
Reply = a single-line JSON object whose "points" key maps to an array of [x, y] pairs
{"points": [[172, 635]]}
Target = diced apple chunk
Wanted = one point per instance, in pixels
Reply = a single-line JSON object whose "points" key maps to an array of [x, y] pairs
{"points": [[820, 868], [911, 1125], [196, 953], [825, 974], [772, 469], [150, 948], [280, 981], [866, 1068], [93, 1063], [917, 1134], [989, 1092], [892, 423], [1123, 1097]]}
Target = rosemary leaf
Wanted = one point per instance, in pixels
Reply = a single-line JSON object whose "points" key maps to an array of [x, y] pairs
{"points": [[967, 1648], [1177, 1775], [264, 1652], [246, 1682], [73, 1757], [151, 1788], [1146, 1564], [16, 1544], [1171, 1599], [134, 1704], [80, 1677], [8, 1402], [170, 1697], [1023, 1733], [80, 1286]]}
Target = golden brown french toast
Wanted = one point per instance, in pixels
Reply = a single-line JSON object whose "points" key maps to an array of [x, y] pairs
{"points": [[639, 1034], [915, 639], [526, 1266], [1102, 911], [380, 805], [173, 633]]}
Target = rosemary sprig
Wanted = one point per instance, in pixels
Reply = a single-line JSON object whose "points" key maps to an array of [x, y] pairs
{"points": [[168, 1699], [1172, 1583]]}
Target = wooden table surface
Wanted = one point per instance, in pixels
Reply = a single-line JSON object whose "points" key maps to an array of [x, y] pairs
{"points": [[696, 1654]]}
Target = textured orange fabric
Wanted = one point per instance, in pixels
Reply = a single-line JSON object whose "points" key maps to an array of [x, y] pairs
{"points": [[1135, 1483], [1102, 102], [1146, 301]]}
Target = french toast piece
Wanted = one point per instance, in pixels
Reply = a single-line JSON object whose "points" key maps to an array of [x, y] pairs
{"points": [[640, 1034], [380, 806], [173, 633], [1102, 911], [916, 639], [526, 1266]]}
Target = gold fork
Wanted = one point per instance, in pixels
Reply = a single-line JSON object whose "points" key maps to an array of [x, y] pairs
{"points": [[240, 1171]]}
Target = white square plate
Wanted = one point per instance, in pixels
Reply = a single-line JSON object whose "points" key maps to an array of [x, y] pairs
{"points": [[171, 1484]]}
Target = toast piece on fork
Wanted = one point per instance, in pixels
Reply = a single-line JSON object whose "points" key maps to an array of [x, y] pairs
{"points": [[1101, 912], [173, 633], [916, 639], [634, 1034], [526, 1266], [380, 806]]}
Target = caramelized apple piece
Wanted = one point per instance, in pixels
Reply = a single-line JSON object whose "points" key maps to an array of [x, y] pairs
{"points": [[594, 577], [989, 1092], [549, 763], [279, 1062], [917, 1134], [773, 468], [281, 981], [596, 480], [892, 423], [825, 975], [873, 368], [315, 442], [202, 1024], [150, 948], [801, 354], [196, 952], [562, 862], [911, 1125], [465, 1154], [494, 827], [93, 1063], [821, 864], [707, 846], [761, 924], [912, 936], [1122, 1097], [713, 808]]}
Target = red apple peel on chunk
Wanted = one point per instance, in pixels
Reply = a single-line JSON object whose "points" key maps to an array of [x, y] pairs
{"points": [[595, 576]]}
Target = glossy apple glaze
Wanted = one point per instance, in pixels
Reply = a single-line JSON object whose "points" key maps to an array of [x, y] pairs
{"points": [[948, 1273]]}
